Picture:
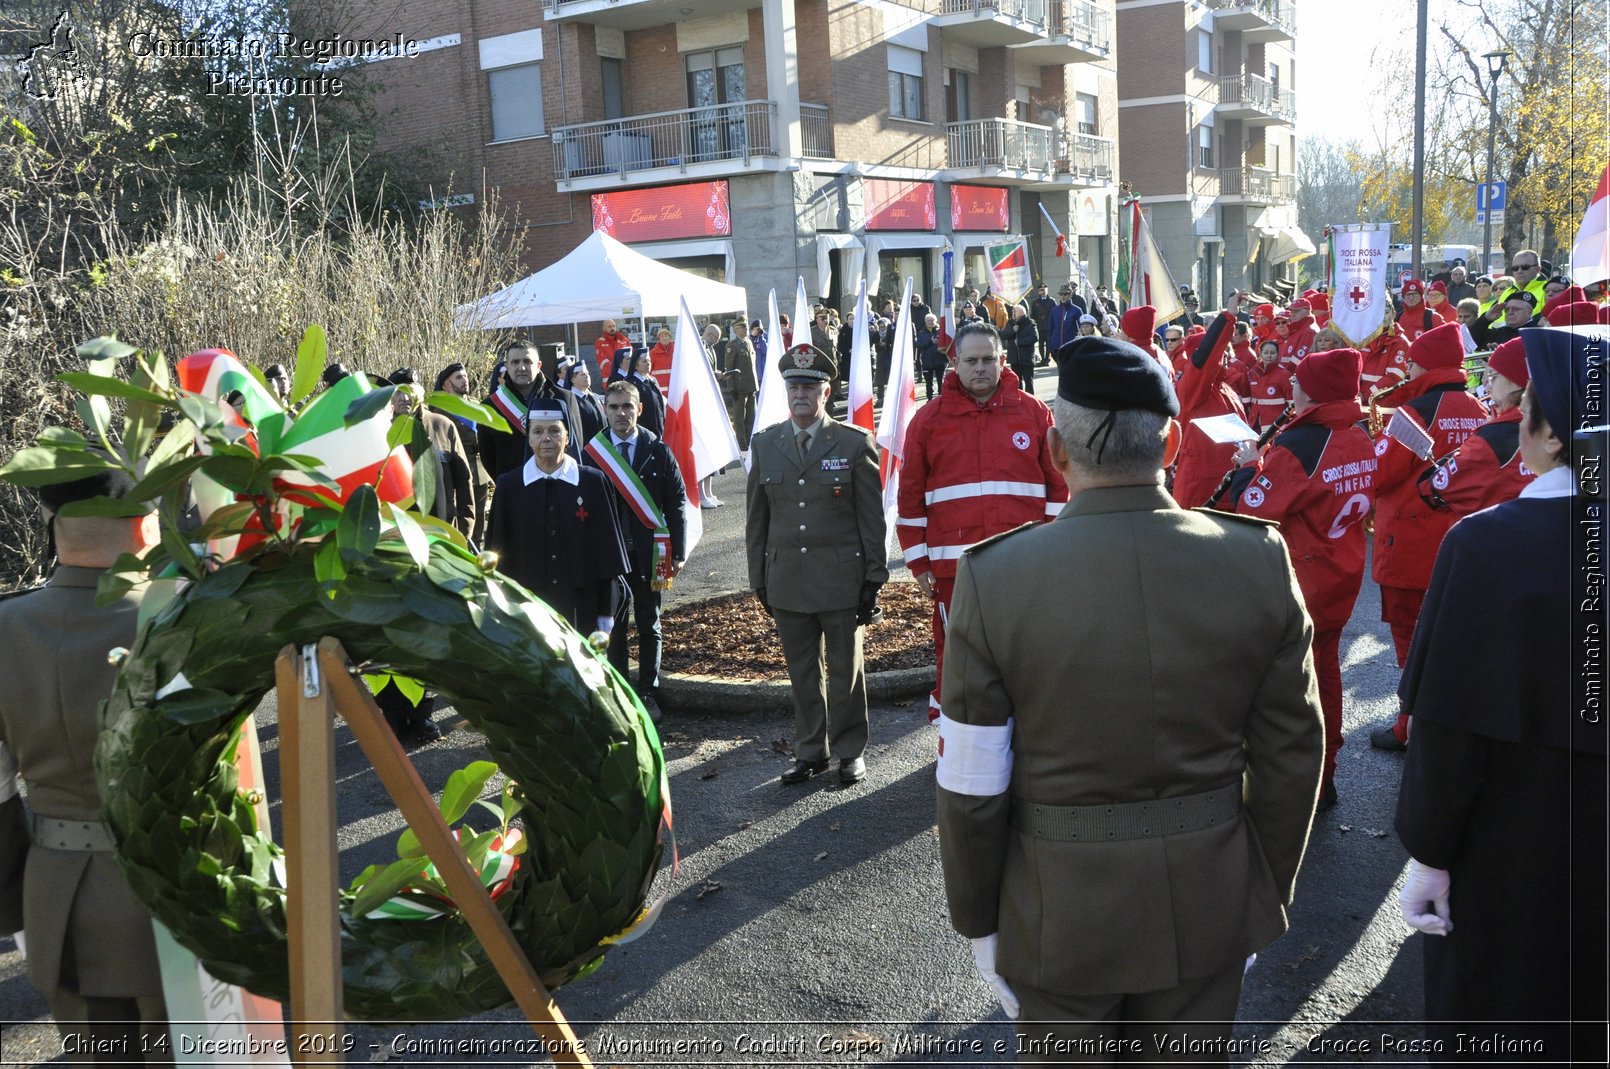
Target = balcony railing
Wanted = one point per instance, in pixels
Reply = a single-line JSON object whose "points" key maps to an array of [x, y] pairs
{"points": [[1257, 184], [1004, 143], [735, 131], [1087, 25], [816, 131], [1089, 157], [1277, 14], [1254, 92], [1029, 10]]}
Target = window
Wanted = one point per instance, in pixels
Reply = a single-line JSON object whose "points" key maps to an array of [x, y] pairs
{"points": [[1086, 115], [614, 88], [1274, 76], [959, 97], [716, 79], [516, 101], [905, 82], [1204, 51], [1204, 146]]}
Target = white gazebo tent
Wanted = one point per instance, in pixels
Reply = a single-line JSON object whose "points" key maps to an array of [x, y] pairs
{"points": [[600, 279]]}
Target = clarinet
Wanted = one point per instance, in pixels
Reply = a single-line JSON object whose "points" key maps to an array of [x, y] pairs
{"points": [[1264, 439]]}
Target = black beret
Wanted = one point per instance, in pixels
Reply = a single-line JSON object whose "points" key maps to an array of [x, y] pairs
{"points": [[404, 376], [274, 371], [334, 374], [448, 372], [1113, 375], [101, 484], [806, 361]]}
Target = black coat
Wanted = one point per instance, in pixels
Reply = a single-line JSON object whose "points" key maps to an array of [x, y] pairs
{"points": [[1504, 784], [648, 391], [1022, 338], [654, 464], [591, 414], [561, 542], [503, 451]]}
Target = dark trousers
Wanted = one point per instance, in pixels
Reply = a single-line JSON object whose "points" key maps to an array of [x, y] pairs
{"points": [[645, 609], [931, 381], [1025, 371], [743, 417], [1170, 1025], [1400, 609]]}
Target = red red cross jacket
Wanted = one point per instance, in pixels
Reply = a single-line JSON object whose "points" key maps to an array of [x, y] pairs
{"points": [[972, 471], [1295, 345], [1267, 391], [1318, 479], [1386, 362], [1407, 530], [1484, 472], [1204, 391]]}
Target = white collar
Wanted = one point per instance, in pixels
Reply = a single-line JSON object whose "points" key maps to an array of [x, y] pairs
{"points": [[619, 441], [1556, 482], [567, 472]]}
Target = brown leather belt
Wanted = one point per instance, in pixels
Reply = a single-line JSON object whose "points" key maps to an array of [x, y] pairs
{"points": [[1128, 820]]}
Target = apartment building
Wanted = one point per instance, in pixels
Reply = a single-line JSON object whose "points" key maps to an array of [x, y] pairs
{"points": [[1208, 107], [757, 141]]}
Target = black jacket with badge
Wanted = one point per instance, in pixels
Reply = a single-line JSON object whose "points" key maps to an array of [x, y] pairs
{"points": [[654, 464]]}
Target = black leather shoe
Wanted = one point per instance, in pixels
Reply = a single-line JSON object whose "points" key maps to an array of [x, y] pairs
{"points": [[652, 707], [804, 770], [1387, 739], [1327, 798], [852, 770]]}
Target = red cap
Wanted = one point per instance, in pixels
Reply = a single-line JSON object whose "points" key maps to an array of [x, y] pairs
{"points": [[1439, 287], [1139, 322], [1265, 310], [1332, 375], [1569, 295], [1573, 313], [1282, 317], [1299, 305], [1441, 346], [1509, 360], [1414, 285], [1319, 302]]}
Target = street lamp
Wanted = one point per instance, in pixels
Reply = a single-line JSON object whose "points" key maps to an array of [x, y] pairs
{"points": [[1495, 67]]}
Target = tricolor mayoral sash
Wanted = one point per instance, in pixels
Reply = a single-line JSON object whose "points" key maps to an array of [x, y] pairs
{"points": [[631, 488]]}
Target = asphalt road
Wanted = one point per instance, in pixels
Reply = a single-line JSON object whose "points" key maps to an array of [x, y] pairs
{"points": [[808, 924]]}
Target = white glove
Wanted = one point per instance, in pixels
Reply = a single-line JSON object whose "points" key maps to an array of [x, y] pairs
{"points": [[984, 958], [1426, 886]]}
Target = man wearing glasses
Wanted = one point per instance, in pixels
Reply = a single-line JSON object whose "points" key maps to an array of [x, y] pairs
{"points": [[1516, 308], [1529, 277]]}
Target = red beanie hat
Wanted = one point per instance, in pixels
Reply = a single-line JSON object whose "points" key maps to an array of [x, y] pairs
{"points": [[1439, 287], [1441, 346], [1265, 310], [1139, 322], [1332, 375], [1509, 360], [1569, 295], [1319, 302], [1414, 285], [1573, 313], [1299, 305]]}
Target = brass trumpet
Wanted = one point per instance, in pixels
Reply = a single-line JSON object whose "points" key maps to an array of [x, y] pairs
{"points": [[1378, 417]]}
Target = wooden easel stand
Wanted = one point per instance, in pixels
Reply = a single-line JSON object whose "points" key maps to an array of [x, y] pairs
{"points": [[310, 692]]}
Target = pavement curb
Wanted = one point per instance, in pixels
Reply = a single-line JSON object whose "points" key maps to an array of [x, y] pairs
{"points": [[721, 694]]}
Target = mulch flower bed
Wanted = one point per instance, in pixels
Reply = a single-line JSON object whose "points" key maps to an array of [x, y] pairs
{"points": [[733, 636]]}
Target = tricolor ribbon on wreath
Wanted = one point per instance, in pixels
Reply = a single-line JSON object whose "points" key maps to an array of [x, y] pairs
{"points": [[631, 487]]}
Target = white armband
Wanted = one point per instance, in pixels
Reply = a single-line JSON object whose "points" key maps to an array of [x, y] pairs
{"points": [[974, 759]]}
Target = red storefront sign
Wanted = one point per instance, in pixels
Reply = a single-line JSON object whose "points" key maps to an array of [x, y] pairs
{"points": [[694, 210], [979, 208], [895, 205]]}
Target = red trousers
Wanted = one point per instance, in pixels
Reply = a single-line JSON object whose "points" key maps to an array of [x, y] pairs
{"points": [[1400, 608], [943, 589], [1328, 667]]}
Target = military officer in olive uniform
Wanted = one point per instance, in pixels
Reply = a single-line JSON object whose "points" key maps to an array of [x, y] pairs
{"points": [[89, 943], [1131, 745], [816, 539]]}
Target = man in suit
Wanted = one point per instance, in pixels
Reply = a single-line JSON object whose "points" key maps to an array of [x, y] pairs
{"points": [[89, 943], [817, 558], [523, 382], [1120, 821], [650, 504]]}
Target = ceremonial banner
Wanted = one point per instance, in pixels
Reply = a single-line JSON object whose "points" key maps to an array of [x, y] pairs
{"points": [[1358, 280], [697, 427], [1149, 280], [899, 405], [1009, 269], [1590, 252]]}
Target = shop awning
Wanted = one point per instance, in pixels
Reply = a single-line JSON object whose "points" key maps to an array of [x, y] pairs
{"points": [[1283, 243]]}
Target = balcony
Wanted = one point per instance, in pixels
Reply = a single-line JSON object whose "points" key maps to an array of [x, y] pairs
{"points": [[1256, 101], [992, 23], [1255, 185], [816, 131], [1258, 20], [1076, 31], [667, 145], [1011, 150], [635, 14]]}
